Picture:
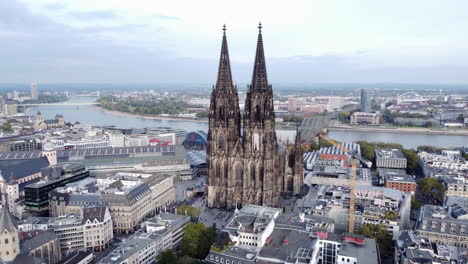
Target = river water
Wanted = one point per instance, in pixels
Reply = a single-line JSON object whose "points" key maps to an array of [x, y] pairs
{"points": [[92, 115], [408, 140]]}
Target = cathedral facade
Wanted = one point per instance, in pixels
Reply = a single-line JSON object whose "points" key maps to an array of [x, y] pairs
{"points": [[245, 164]]}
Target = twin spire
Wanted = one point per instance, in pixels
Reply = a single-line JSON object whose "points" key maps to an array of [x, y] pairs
{"points": [[259, 77], [224, 80]]}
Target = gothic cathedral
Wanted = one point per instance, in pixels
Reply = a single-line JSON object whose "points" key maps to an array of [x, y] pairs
{"points": [[246, 165]]}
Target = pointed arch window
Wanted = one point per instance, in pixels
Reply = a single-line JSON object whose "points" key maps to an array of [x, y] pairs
{"points": [[258, 113]]}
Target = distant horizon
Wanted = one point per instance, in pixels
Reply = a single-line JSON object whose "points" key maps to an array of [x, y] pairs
{"points": [[242, 87]]}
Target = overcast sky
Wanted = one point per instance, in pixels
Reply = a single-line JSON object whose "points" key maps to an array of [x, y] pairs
{"points": [[310, 41]]}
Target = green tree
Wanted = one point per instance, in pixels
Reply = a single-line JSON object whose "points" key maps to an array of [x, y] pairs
{"points": [[381, 235], [6, 127], [367, 150], [431, 190], [412, 158], [190, 210], [344, 116], [415, 203], [314, 146], [167, 257], [392, 215], [197, 240], [324, 144], [203, 114]]}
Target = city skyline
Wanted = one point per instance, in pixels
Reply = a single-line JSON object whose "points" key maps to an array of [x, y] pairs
{"points": [[308, 41]]}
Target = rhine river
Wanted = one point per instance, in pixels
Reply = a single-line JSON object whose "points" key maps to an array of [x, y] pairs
{"points": [[88, 114], [92, 115]]}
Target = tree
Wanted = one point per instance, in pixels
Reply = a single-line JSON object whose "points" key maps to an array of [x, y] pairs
{"points": [[203, 114], [314, 146], [197, 240], [412, 158], [190, 210], [324, 144], [6, 127], [167, 257], [367, 150], [381, 236], [344, 116], [415, 203], [431, 190]]}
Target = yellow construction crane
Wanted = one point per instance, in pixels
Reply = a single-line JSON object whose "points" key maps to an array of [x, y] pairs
{"points": [[352, 182]]}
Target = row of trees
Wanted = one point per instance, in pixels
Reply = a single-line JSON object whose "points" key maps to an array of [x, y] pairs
{"points": [[151, 106], [390, 116]]}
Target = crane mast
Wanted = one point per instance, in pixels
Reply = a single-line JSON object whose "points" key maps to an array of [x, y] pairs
{"points": [[352, 182]]}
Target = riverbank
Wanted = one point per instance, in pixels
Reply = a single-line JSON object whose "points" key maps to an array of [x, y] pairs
{"points": [[149, 117], [408, 130]]}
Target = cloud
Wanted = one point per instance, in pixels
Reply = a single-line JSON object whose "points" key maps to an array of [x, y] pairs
{"points": [[55, 6], [95, 15], [35, 47], [164, 17], [118, 28]]}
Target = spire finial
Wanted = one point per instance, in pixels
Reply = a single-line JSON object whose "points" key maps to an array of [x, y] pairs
{"points": [[224, 29], [260, 27]]}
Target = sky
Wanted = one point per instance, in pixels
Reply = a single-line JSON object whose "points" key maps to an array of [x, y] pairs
{"points": [[306, 41]]}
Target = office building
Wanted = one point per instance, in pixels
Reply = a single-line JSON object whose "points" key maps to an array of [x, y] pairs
{"points": [[398, 179], [34, 92], [365, 101], [37, 194], [390, 158]]}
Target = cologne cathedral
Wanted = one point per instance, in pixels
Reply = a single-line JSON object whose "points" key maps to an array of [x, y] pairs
{"points": [[247, 165]]}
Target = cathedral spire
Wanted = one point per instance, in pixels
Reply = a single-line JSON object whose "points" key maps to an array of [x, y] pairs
{"points": [[224, 81], [259, 78], [298, 134]]}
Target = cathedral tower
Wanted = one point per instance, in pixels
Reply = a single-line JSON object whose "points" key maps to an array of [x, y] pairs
{"points": [[224, 146], [262, 183], [247, 168]]}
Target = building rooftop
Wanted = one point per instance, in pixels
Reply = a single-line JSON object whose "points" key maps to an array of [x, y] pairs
{"points": [[6, 221], [437, 219], [163, 223], [396, 175], [38, 241], [233, 255], [365, 253], [389, 154], [125, 197], [128, 248], [18, 169], [74, 258], [289, 245]]}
